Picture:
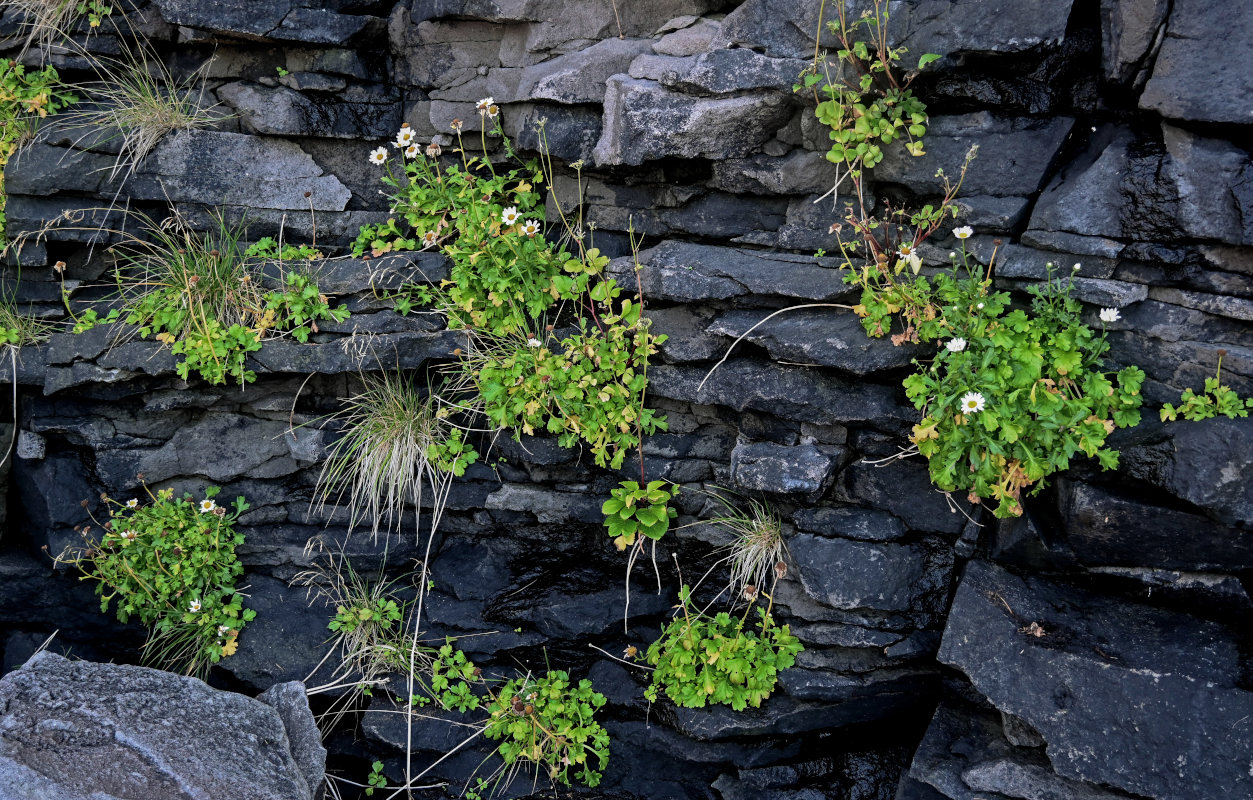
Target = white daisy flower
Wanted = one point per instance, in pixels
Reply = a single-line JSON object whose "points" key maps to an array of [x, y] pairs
{"points": [[484, 104], [429, 238], [222, 630], [129, 535], [412, 151], [906, 250], [972, 403], [1110, 315], [964, 232], [533, 342], [378, 156], [194, 607], [955, 345], [206, 506], [510, 215], [492, 111], [132, 503], [530, 227], [915, 262], [979, 305], [405, 136]]}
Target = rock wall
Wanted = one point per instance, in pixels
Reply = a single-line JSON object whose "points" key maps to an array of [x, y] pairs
{"points": [[1089, 649]]}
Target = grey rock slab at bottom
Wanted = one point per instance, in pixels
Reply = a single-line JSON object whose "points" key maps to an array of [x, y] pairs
{"points": [[77, 729], [1125, 695]]}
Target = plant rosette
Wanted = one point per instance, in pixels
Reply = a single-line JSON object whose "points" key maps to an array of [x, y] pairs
{"points": [[171, 564], [550, 722], [1013, 395], [633, 511], [701, 660]]}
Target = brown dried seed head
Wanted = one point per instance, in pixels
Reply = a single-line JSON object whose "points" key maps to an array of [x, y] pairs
{"points": [[780, 570], [308, 195]]}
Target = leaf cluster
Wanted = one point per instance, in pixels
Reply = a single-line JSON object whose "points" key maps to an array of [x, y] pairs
{"points": [[702, 660], [25, 98], [1045, 398], [506, 280], [633, 510], [268, 248], [862, 98], [201, 295], [550, 721], [1214, 400], [171, 564]]}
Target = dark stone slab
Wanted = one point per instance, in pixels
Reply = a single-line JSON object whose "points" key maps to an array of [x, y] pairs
{"points": [[1125, 695]]}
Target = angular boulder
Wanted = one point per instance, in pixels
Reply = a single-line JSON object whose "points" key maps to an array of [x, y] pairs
{"points": [[1125, 695], [645, 121], [76, 729]]}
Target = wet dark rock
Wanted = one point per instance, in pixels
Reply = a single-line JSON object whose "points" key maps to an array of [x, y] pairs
{"points": [[851, 575], [904, 488], [73, 729], [579, 77], [385, 351], [680, 271], [850, 522], [1129, 32], [1204, 463], [828, 337], [806, 470], [925, 26], [286, 641], [775, 27], [1014, 154], [1123, 187], [645, 121], [799, 172], [1022, 777], [788, 392], [1103, 528], [272, 19], [234, 169], [687, 329], [1117, 690], [719, 71], [357, 113], [570, 133], [1187, 60]]}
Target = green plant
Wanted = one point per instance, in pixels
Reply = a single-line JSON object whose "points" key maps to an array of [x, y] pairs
{"points": [[201, 296], [633, 510], [867, 105], [25, 98], [395, 441], [19, 328], [508, 287], [1216, 399], [171, 564], [376, 779], [1014, 394], [701, 660], [550, 722], [451, 675], [270, 249]]}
